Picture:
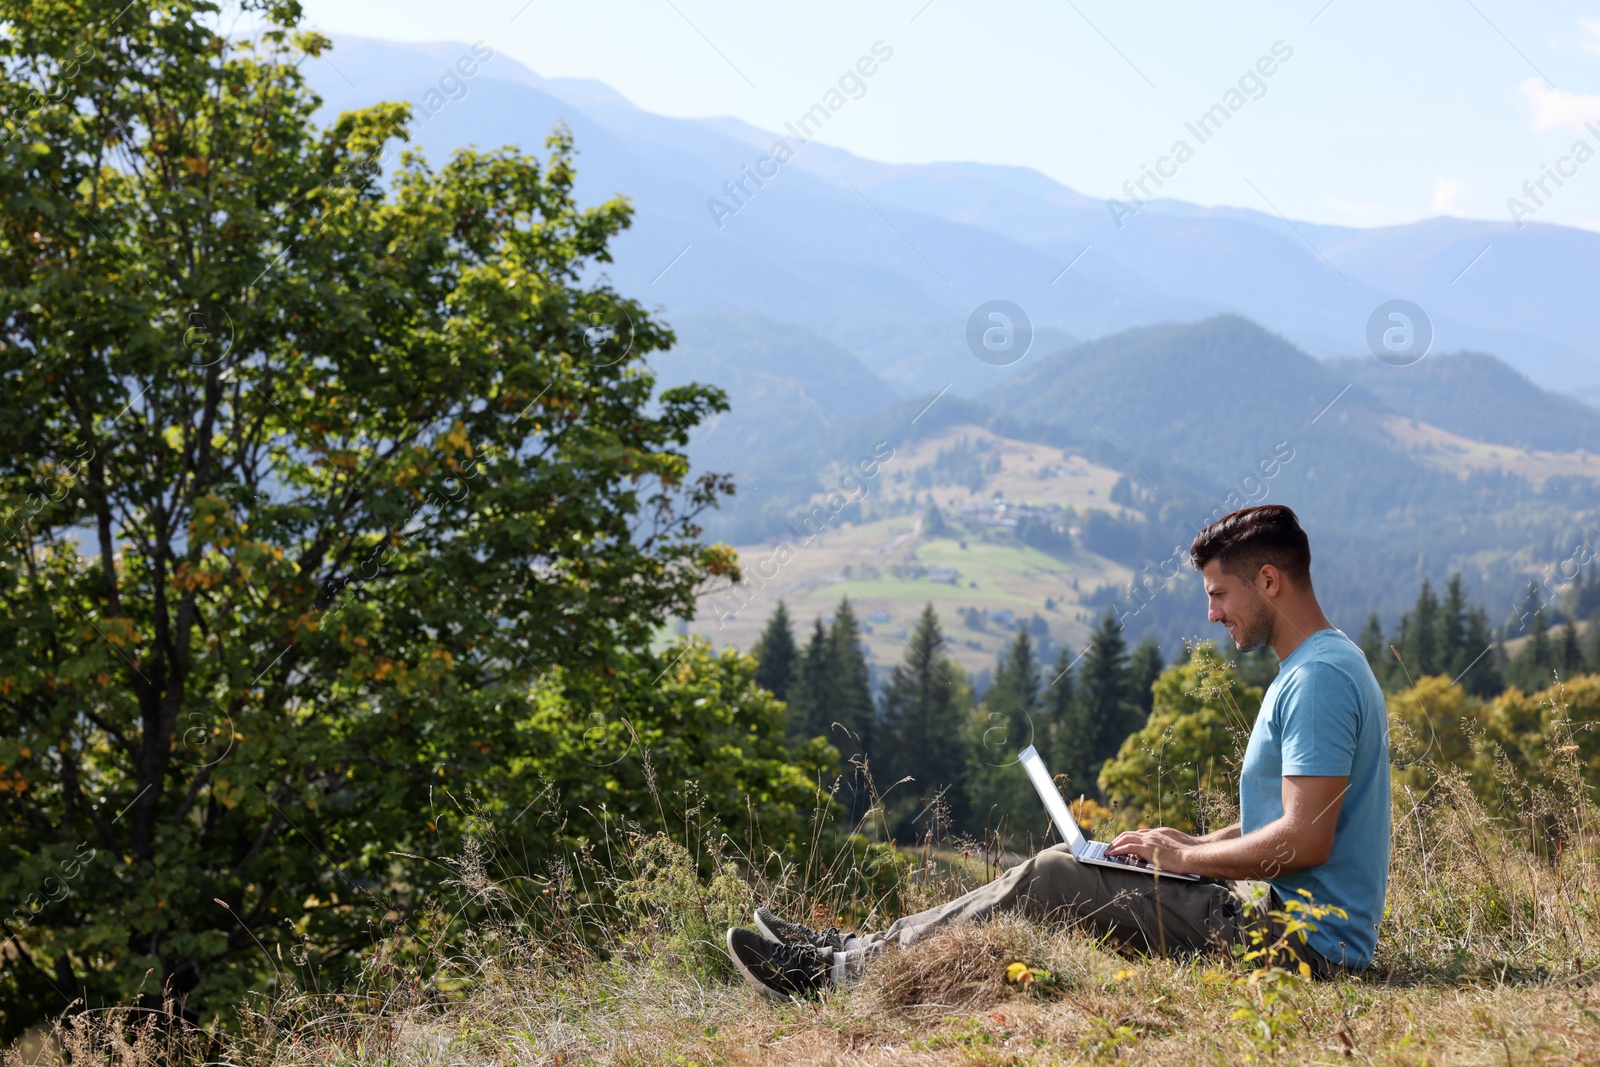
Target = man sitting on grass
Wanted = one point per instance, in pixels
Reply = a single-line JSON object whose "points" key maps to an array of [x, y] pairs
{"points": [[1313, 804]]}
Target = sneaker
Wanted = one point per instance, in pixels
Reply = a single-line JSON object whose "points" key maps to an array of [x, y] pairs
{"points": [[776, 969], [788, 933]]}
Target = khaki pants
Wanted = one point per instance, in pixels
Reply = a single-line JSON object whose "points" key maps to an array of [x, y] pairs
{"points": [[1160, 915]]}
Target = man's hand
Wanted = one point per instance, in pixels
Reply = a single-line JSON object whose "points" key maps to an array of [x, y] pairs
{"points": [[1301, 838], [1162, 847]]}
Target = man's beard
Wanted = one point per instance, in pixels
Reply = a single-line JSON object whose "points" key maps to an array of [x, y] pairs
{"points": [[1255, 633]]}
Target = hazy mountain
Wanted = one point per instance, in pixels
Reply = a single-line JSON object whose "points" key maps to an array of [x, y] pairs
{"points": [[1213, 394], [783, 381], [888, 261], [1457, 392]]}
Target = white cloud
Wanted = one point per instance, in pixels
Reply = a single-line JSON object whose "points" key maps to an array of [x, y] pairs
{"points": [[1593, 27], [1447, 196], [1346, 211], [1557, 108]]}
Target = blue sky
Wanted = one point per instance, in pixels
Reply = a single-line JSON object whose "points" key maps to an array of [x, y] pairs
{"points": [[1384, 113]]}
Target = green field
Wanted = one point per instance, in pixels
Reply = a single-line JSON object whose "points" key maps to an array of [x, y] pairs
{"points": [[861, 562]]}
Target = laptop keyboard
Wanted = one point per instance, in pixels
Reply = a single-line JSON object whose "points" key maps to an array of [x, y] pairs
{"points": [[1096, 850]]}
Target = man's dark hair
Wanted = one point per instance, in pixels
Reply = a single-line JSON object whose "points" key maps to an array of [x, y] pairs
{"points": [[1244, 541]]}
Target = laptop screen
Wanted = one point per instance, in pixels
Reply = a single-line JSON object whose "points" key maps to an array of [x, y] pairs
{"points": [[1053, 804]]}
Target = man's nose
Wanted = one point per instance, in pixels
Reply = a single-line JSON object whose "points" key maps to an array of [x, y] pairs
{"points": [[1214, 615]]}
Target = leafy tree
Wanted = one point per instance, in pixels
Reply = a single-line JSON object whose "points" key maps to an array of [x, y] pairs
{"points": [[776, 654], [1144, 668], [714, 735], [933, 524], [1190, 749], [925, 708], [1431, 727], [306, 479]]}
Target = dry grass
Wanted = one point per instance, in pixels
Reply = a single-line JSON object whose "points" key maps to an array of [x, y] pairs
{"points": [[1488, 954]]}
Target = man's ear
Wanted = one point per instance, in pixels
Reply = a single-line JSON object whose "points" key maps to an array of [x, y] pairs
{"points": [[1269, 580]]}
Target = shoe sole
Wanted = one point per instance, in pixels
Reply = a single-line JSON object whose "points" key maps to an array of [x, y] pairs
{"points": [[764, 931], [749, 976]]}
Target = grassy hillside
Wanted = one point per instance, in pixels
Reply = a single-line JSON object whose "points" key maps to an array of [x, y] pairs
{"points": [[1484, 956], [889, 570]]}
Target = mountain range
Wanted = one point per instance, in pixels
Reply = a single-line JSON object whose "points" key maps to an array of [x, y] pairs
{"points": [[888, 260], [1175, 358]]}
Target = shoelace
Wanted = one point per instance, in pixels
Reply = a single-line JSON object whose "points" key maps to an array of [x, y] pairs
{"points": [[801, 958]]}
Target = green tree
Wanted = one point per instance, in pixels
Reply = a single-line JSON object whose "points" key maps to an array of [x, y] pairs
{"points": [[1069, 746], [1372, 646], [1481, 675], [1420, 647], [776, 654], [853, 709], [1144, 667], [306, 479], [1533, 667], [1567, 652], [1005, 723], [926, 703], [814, 691], [714, 735], [1105, 690], [1455, 652], [1184, 762]]}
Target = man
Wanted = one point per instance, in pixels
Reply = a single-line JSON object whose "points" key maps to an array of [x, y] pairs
{"points": [[1313, 803]]}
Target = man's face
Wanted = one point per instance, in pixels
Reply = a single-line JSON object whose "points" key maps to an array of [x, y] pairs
{"points": [[1240, 606]]}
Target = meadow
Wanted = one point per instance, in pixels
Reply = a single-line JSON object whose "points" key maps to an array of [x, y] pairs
{"points": [[1488, 953]]}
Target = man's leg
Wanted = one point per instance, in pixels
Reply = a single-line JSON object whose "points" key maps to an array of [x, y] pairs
{"points": [[1158, 914]]}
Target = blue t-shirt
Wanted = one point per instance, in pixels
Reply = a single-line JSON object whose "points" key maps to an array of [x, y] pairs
{"points": [[1325, 715]]}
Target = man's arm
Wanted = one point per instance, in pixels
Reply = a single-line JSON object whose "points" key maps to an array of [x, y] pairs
{"points": [[1302, 838]]}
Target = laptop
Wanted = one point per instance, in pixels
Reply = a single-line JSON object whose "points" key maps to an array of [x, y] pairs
{"points": [[1083, 850]]}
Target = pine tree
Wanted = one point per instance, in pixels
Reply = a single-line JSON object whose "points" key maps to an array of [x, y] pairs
{"points": [[1530, 668], [813, 692], [1371, 644], [1005, 724], [1567, 653], [1105, 691], [776, 654], [925, 708], [854, 710], [1421, 648], [1015, 691], [1064, 724], [1144, 668], [1454, 648], [1481, 675]]}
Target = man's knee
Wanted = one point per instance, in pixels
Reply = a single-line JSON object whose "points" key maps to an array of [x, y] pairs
{"points": [[1058, 880]]}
